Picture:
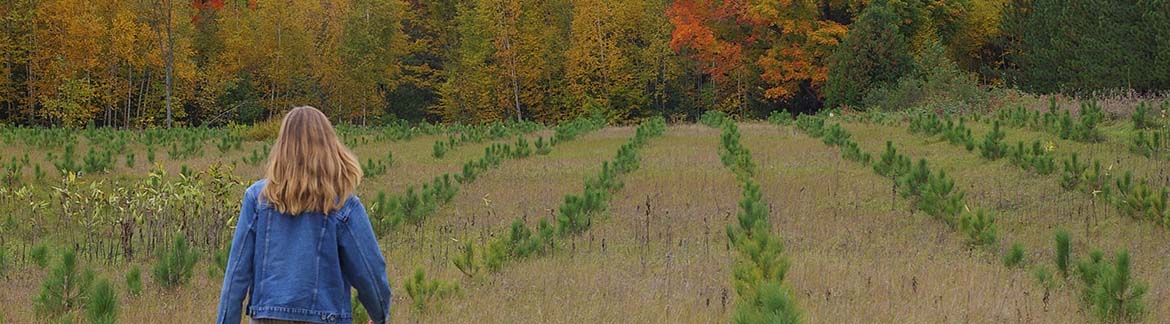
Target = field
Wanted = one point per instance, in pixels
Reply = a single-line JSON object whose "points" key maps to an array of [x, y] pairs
{"points": [[859, 246]]}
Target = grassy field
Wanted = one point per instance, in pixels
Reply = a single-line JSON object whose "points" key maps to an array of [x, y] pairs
{"points": [[659, 253]]}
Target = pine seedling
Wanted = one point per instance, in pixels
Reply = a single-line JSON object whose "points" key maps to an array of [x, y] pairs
{"points": [[64, 289], [993, 147], [439, 150], [134, 281], [175, 264], [465, 260], [911, 183], [1014, 257], [425, 293], [40, 255], [1116, 295], [1073, 172], [1044, 277], [542, 147], [1062, 252], [979, 227], [219, 266], [101, 306]]}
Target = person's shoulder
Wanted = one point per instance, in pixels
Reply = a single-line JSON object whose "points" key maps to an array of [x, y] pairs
{"points": [[350, 207], [256, 188]]}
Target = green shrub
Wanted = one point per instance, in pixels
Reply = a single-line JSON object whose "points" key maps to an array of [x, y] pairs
{"points": [[66, 164], [926, 124], [779, 117], [1141, 117], [101, 306], [175, 264], [411, 206], [542, 147], [1044, 277], [521, 149], [373, 169], [219, 261], [771, 303], [1073, 172], [891, 165], [911, 183], [465, 260], [959, 134], [39, 173], [263, 131], [1110, 289], [425, 293], [64, 289], [1014, 257], [714, 118], [812, 125], [40, 255], [1146, 143], [3, 262], [134, 281], [940, 198], [993, 147], [439, 150], [979, 227], [1062, 252]]}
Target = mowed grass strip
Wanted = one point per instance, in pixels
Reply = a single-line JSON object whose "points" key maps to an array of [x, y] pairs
{"points": [[1031, 207], [668, 265], [858, 252]]}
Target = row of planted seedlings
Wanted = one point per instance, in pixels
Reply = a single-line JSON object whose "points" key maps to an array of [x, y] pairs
{"points": [[1057, 121], [1132, 197], [1108, 289], [522, 242], [576, 214], [413, 207], [460, 134], [760, 264]]}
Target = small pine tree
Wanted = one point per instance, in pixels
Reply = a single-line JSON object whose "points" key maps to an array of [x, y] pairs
{"points": [[1044, 277], [175, 264], [64, 288], [465, 260], [979, 226], [426, 293], [217, 268], [1116, 295], [40, 255], [993, 147], [101, 306], [3, 261], [134, 281], [439, 150], [1014, 257], [1062, 252]]}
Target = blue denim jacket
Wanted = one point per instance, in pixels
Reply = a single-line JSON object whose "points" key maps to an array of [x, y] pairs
{"points": [[301, 268]]}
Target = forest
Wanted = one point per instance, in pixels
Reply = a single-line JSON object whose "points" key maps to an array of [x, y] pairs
{"points": [[151, 63]]}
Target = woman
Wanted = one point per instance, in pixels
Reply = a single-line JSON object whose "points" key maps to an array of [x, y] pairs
{"points": [[303, 239]]}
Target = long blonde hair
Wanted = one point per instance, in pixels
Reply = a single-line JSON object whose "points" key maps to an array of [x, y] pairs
{"points": [[309, 170]]}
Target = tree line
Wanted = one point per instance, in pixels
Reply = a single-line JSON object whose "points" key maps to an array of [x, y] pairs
{"points": [[145, 63]]}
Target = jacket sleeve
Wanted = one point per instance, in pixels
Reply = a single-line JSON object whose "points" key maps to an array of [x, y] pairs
{"points": [[237, 279], [362, 263]]}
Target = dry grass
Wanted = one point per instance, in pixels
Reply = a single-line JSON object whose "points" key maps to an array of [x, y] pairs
{"points": [[1031, 207], [661, 256]]}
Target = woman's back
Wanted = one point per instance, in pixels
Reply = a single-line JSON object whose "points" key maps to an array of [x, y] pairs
{"points": [[301, 243]]}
